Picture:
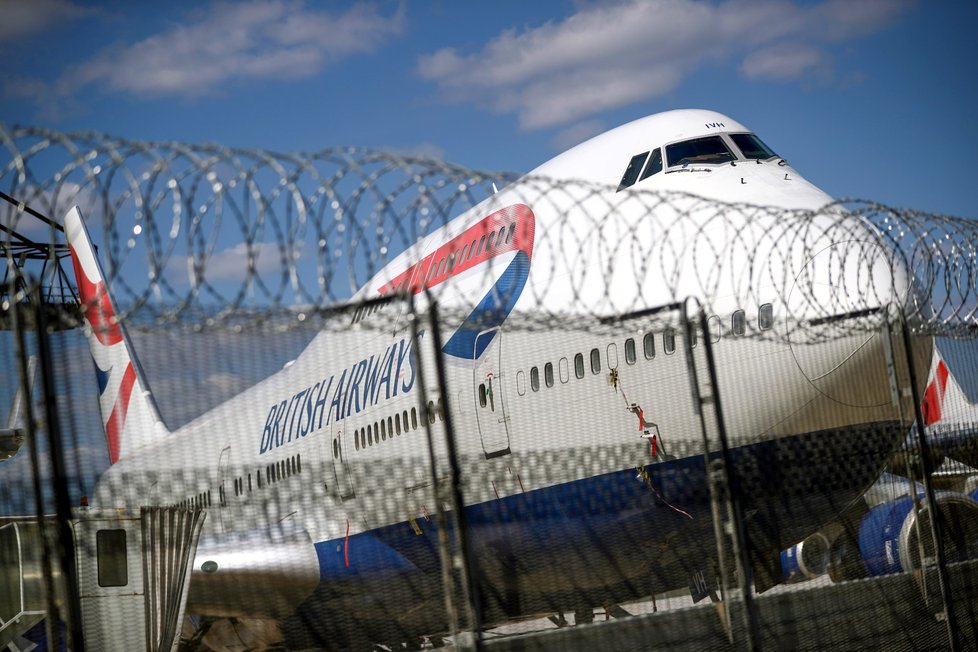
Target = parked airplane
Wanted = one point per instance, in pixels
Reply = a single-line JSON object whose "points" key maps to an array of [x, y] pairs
{"points": [[317, 481], [880, 534]]}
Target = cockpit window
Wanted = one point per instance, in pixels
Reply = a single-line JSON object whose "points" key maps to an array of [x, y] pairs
{"points": [[710, 149], [752, 147], [632, 171], [654, 165]]}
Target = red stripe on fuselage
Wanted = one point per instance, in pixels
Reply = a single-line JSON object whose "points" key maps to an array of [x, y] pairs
{"points": [[440, 265], [98, 308], [117, 420]]}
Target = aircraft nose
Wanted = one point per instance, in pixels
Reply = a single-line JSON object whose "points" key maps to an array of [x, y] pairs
{"points": [[840, 298]]}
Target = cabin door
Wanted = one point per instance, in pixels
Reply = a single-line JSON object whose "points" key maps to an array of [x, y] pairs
{"points": [[223, 469], [490, 407], [341, 464]]}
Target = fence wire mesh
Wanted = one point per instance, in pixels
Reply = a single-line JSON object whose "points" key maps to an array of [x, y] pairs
{"points": [[401, 403]]}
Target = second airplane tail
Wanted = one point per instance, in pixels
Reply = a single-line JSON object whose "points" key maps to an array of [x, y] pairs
{"points": [[129, 413]]}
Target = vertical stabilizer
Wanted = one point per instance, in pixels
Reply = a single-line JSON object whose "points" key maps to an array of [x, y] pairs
{"points": [[944, 402], [129, 413]]}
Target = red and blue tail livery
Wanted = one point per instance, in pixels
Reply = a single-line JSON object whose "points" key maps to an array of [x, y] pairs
{"points": [[130, 418]]}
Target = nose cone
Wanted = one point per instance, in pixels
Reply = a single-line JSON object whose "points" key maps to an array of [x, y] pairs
{"points": [[840, 299]]}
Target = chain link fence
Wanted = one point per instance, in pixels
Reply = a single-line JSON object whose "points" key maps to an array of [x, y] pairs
{"points": [[409, 404]]}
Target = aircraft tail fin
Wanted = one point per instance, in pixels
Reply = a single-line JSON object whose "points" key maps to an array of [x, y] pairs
{"points": [[129, 413], [944, 400]]}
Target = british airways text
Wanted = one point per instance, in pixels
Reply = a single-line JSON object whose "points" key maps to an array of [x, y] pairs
{"points": [[365, 383]]}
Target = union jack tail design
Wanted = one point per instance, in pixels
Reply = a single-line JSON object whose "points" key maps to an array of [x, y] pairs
{"points": [[129, 413]]}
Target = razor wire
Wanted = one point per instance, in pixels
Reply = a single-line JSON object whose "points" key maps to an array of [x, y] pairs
{"points": [[209, 232]]}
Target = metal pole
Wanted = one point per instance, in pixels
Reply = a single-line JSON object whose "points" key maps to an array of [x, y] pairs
{"points": [[468, 562], [66, 551], [936, 524], [443, 544], [733, 493], [51, 594], [736, 530]]}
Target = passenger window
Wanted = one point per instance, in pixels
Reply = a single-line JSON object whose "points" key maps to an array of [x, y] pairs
{"points": [[482, 241], [612, 356], [630, 351], [509, 234], [654, 165], [669, 341], [440, 409], [562, 369], [414, 418], [765, 316], [648, 345], [535, 379], [383, 431], [548, 374], [431, 412], [471, 249], [356, 439], [713, 323], [482, 395], [595, 361], [738, 322], [492, 237], [404, 420], [520, 385], [579, 365], [632, 171], [397, 423]]}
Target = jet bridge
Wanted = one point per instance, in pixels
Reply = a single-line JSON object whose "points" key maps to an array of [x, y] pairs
{"points": [[133, 572], [29, 262]]}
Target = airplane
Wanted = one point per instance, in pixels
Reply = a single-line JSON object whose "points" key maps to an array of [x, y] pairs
{"points": [[568, 391]]}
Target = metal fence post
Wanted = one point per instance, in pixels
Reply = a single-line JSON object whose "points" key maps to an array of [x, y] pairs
{"points": [[62, 503], [926, 469], [449, 561], [720, 475], [30, 424]]}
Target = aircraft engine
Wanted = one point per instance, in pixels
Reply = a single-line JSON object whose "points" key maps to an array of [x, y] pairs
{"points": [[893, 534], [806, 560], [263, 573]]}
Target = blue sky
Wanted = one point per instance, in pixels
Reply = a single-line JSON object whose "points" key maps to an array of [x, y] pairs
{"points": [[869, 99]]}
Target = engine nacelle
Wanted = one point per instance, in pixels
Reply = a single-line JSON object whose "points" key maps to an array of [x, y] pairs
{"points": [[260, 573], [806, 560], [892, 534]]}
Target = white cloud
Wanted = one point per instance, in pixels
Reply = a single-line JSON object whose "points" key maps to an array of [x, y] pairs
{"points": [[578, 133], [236, 264], [606, 56], [781, 62], [235, 42], [22, 19]]}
